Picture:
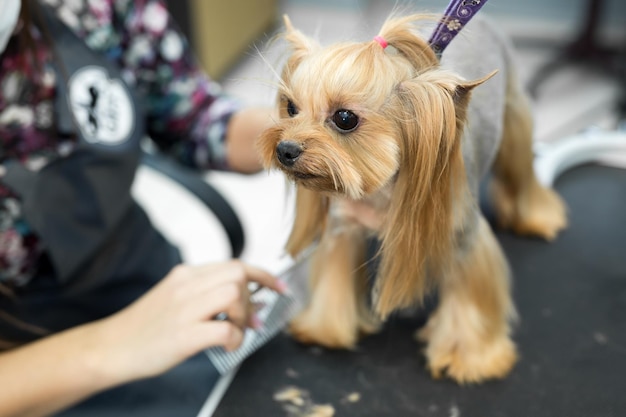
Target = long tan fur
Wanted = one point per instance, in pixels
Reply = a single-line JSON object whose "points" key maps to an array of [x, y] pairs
{"points": [[468, 336], [310, 221], [417, 241]]}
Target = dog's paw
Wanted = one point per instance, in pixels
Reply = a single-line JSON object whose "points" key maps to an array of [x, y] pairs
{"points": [[546, 217], [538, 211], [471, 365], [422, 335], [307, 329]]}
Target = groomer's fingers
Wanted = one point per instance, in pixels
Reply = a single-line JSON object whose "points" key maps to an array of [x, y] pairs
{"points": [[214, 333], [264, 279], [214, 274], [229, 298]]}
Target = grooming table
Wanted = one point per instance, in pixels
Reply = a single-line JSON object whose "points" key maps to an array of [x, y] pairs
{"points": [[571, 296]]}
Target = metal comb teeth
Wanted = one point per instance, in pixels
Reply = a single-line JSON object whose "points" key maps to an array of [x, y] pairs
{"points": [[278, 310]]}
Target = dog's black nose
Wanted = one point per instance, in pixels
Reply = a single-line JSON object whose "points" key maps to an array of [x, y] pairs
{"points": [[288, 152]]}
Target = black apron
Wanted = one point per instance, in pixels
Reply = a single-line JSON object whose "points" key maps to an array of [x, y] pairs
{"points": [[101, 251]]}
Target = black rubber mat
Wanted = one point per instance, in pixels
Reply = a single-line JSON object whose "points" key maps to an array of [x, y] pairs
{"points": [[571, 295]]}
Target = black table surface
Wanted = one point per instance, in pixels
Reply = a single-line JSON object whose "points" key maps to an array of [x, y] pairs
{"points": [[571, 296]]}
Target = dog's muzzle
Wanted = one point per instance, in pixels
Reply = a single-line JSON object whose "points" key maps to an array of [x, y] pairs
{"points": [[288, 152]]}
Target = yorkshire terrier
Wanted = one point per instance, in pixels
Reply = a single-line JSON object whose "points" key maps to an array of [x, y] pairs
{"points": [[393, 142]]}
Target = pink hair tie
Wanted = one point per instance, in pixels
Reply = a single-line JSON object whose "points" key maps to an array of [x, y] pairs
{"points": [[381, 41]]}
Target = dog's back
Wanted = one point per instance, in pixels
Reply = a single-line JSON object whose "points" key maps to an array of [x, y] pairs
{"points": [[478, 50], [498, 133]]}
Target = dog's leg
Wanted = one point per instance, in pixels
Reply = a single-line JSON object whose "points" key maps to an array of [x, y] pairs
{"points": [[468, 336], [521, 203], [337, 312]]}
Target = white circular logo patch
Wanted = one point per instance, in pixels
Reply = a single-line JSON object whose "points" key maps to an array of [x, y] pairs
{"points": [[102, 107]]}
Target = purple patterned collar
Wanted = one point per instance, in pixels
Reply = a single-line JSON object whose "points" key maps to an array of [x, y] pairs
{"points": [[456, 16]]}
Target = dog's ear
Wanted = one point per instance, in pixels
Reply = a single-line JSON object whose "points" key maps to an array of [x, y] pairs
{"points": [[462, 93], [419, 232], [301, 45], [310, 220]]}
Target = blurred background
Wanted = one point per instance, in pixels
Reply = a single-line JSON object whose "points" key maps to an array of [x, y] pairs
{"points": [[571, 55]]}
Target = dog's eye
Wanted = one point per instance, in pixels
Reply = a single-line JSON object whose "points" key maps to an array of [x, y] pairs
{"points": [[292, 110], [345, 120]]}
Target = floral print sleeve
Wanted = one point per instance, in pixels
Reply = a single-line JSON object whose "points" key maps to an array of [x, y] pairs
{"points": [[187, 113]]}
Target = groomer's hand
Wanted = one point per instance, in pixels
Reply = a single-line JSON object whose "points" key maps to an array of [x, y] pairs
{"points": [[174, 320]]}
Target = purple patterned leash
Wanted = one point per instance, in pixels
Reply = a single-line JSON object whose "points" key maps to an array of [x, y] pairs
{"points": [[457, 15]]}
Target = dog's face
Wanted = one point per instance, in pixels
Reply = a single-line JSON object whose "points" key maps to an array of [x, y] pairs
{"points": [[352, 114], [337, 131]]}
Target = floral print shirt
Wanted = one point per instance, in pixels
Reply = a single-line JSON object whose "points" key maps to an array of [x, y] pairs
{"points": [[186, 114]]}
